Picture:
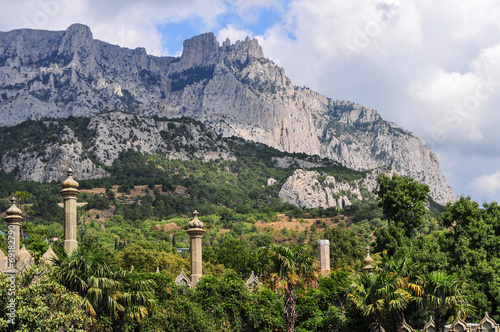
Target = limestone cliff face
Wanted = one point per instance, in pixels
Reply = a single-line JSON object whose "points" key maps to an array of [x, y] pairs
{"points": [[50, 160], [311, 189], [113, 133], [117, 132], [231, 88]]}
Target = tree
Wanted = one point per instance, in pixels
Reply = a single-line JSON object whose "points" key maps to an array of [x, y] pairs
{"points": [[459, 216], [323, 309], [44, 305], [365, 293], [403, 203], [346, 246], [402, 288], [390, 289], [444, 294], [472, 245], [290, 267], [103, 289]]}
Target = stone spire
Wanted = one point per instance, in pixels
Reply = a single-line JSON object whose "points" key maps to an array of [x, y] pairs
{"points": [[14, 218], [195, 232], [368, 262], [69, 193]]}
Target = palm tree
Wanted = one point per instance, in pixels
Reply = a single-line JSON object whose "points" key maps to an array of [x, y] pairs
{"points": [[401, 288], [368, 292], [389, 289], [443, 293], [290, 267], [104, 289]]}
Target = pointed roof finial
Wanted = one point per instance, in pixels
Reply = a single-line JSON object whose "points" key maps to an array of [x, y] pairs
{"points": [[253, 281], [182, 279]]}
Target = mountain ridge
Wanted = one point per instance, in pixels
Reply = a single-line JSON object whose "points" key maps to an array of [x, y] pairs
{"points": [[232, 88]]}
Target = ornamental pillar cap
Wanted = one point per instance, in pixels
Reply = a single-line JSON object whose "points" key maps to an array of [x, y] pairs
{"points": [[195, 223], [368, 261], [14, 211], [70, 182]]}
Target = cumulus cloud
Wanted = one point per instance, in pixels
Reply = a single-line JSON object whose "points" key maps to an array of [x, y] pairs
{"points": [[488, 183], [233, 33]]}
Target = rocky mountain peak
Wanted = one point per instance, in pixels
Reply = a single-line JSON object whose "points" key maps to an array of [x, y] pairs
{"points": [[232, 89], [77, 38], [199, 50], [249, 48]]}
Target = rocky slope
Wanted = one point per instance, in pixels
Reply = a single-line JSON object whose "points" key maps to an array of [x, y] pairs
{"points": [[311, 189], [46, 157], [233, 89]]}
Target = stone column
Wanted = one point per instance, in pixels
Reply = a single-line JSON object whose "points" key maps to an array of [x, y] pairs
{"points": [[13, 219], [195, 232], [69, 194], [324, 256]]}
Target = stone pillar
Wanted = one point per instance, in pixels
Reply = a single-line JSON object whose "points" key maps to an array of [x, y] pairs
{"points": [[69, 194], [195, 232], [13, 219], [324, 256]]}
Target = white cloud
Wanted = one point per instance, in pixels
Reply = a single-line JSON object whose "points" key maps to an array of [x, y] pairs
{"points": [[233, 33], [488, 183]]}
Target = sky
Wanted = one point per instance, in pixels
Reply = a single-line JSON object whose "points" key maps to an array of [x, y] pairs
{"points": [[432, 67]]}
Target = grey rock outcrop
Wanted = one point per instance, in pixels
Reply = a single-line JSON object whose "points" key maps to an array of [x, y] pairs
{"points": [[113, 133], [312, 189], [233, 89], [117, 132], [49, 161]]}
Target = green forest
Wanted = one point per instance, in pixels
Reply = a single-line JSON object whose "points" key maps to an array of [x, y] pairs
{"points": [[429, 260]]}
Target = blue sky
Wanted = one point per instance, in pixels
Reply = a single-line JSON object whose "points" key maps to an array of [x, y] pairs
{"points": [[431, 67]]}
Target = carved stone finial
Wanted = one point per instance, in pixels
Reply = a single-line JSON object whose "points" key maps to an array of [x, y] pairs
{"points": [[429, 326], [368, 261], [25, 260], [14, 212], [70, 182], [195, 223]]}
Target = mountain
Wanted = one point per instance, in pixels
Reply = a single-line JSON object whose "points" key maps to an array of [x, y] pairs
{"points": [[232, 89]]}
